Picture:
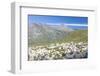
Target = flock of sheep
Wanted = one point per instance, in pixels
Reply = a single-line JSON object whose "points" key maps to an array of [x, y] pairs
{"points": [[71, 50]]}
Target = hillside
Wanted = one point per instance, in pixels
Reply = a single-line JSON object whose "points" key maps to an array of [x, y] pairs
{"points": [[77, 36], [40, 34], [43, 34]]}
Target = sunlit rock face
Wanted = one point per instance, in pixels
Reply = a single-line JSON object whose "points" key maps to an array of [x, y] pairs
{"points": [[57, 51]]}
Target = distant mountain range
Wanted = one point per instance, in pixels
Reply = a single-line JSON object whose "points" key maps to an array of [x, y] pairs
{"points": [[43, 33]]}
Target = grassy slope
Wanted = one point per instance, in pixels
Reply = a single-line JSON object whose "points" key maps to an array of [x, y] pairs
{"points": [[75, 36]]}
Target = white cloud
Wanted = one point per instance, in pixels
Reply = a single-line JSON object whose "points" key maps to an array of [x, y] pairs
{"points": [[77, 24], [67, 24]]}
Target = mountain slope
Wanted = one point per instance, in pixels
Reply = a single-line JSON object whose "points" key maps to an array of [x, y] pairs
{"points": [[43, 33], [77, 36]]}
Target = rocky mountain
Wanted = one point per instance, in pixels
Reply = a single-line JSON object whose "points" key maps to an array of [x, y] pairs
{"points": [[43, 33]]}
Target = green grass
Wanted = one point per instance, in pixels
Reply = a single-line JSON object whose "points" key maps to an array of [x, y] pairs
{"points": [[75, 36]]}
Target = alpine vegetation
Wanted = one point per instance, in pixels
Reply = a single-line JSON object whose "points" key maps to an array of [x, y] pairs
{"points": [[57, 37], [58, 51]]}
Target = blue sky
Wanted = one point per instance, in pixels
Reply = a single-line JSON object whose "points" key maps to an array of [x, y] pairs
{"points": [[57, 19]]}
